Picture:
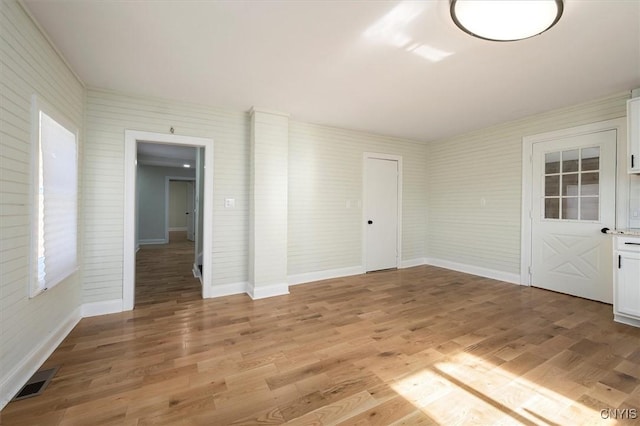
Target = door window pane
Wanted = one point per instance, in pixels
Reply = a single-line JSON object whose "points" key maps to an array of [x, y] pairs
{"points": [[552, 208], [552, 186], [570, 185], [552, 163], [590, 184], [589, 208], [570, 161], [591, 158], [570, 208]]}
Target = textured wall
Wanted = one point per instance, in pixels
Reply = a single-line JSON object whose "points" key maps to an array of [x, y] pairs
{"points": [[29, 66], [475, 180], [325, 196]]}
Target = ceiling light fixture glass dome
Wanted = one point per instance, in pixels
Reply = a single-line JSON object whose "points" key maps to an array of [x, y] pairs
{"points": [[505, 20]]}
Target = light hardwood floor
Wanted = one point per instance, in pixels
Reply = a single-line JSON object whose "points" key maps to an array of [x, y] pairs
{"points": [[417, 346]]}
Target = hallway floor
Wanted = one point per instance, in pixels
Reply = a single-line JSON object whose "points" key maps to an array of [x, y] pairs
{"points": [[164, 272]]}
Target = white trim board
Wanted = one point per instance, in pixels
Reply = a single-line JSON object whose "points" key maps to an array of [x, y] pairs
{"points": [[101, 308], [229, 289], [19, 374], [410, 263], [626, 320], [131, 139], [262, 292], [622, 181], [152, 241], [196, 272], [324, 275], [475, 270]]}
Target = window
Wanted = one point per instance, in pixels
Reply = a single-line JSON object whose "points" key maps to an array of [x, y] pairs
{"points": [[55, 212], [572, 184]]}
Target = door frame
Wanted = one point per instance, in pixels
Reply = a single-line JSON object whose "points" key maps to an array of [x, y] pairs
{"points": [[167, 183], [379, 156], [131, 139], [622, 181]]}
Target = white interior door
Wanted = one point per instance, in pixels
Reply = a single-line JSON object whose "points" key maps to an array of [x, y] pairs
{"points": [[381, 212], [573, 198], [191, 210]]}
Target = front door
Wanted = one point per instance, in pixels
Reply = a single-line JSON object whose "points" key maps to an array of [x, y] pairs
{"points": [[381, 211], [573, 198]]}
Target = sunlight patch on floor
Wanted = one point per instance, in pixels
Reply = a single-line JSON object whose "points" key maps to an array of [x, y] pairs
{"points": [[466, 389]]}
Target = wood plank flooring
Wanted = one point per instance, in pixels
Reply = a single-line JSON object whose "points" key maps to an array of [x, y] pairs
{"points": [[418, 346]]}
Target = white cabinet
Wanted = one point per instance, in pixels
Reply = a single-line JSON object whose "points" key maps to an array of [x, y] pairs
{"points": [[633, 130], [626, 289]]}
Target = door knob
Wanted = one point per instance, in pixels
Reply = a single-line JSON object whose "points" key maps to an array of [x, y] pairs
{"points": [[370, 222]]}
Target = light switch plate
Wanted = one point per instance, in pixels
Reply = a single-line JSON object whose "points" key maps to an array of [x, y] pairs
{"points": [[229, 203]]}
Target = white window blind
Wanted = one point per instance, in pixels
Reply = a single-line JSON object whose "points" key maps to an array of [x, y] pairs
{"points": [[56, 204]]}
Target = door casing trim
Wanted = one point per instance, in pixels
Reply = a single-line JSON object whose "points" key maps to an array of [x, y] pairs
{"points": [[131, 139], [622, 181]]}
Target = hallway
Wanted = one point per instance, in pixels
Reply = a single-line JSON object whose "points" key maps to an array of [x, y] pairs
{"points": [[164, 272]]}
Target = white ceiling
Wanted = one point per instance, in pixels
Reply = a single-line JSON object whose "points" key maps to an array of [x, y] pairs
{"points": [[398, 68]]}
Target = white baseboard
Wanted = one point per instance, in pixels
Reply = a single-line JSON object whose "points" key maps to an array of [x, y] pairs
{"points": [[101, 308], [626, 320], [228, 289], [262, 292], [196, 272], [475, 270], [152, 241], [410, 263], [18, 376], [178, 228], [324, 275]]}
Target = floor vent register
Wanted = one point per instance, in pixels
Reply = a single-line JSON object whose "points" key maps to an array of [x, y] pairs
{"points": [[36, 384]]}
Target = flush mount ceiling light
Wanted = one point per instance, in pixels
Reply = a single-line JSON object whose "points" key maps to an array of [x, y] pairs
{"points": [[505, 20]]}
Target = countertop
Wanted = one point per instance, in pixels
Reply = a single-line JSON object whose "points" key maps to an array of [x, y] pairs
{"points": [[631, 232]]}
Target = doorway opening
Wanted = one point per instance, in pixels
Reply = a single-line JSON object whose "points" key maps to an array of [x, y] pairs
{"points": [[153, 230], [181, 208]]}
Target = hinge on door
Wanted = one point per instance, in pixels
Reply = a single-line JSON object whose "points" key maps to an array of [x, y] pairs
{"points": [[529, 270]]}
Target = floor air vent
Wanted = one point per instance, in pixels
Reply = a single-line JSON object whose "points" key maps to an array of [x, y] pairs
{"points": [[36, 384]]}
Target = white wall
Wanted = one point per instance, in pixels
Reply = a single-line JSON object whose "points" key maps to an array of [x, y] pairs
{"points": [[268, 215], [29, 328], [108, 115], [474, 191], [325, 173], [325, 196]]}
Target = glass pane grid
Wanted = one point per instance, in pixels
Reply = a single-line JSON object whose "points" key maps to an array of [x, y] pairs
{"points": [[572, 184]]}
